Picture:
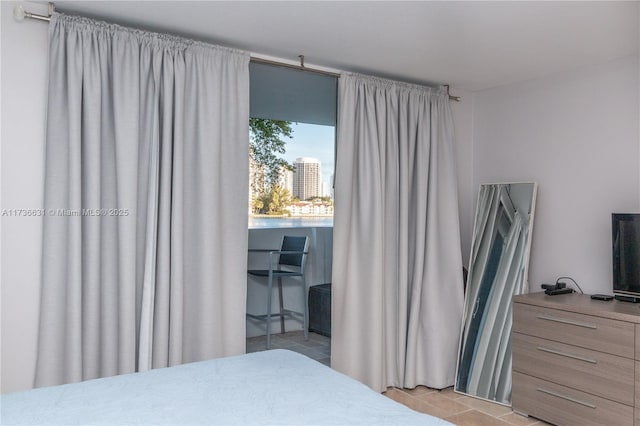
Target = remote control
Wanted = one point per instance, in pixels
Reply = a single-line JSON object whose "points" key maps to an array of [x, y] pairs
{"points": [[558, 291], [605, 297]]}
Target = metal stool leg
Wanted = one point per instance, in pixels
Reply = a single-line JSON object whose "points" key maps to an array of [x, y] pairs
{"points": [[269, 291], [281, 305]]}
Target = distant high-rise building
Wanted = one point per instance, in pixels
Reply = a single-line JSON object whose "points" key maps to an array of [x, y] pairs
{"points": [[285, 179], [307, 178], [326, 191]]}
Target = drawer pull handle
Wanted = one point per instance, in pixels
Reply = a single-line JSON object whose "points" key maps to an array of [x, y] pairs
{"points": [[578, 357], [568, 398], [564, 321]]}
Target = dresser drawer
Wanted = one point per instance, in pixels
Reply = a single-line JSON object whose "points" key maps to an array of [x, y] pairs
{"points": [[601, 374], [565, 406], [587, 331]]}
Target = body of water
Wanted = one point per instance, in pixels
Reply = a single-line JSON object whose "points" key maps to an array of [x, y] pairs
{"points": [[289, 222]]}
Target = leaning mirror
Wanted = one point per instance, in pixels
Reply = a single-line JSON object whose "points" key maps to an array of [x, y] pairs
{"points": [[497, 271]]}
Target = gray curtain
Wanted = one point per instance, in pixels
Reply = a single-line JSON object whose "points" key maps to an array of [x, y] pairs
{"points": [[145, 237], [397, 271]]}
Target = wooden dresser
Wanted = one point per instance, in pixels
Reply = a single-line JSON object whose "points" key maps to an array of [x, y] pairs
{"points": [[576, 361]]}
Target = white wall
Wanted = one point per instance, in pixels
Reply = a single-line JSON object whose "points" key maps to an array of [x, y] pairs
{"points": [[24, 71], [577, 135]]}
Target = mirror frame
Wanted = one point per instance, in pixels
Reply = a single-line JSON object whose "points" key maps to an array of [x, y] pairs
{"points": [[525, 284]]}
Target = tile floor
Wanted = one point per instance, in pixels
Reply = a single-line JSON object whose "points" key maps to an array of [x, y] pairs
{"points": [[459, 409], [446, 404], [318, 347]]}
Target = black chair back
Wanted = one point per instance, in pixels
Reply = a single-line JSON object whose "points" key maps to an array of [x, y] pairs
{"points": [[292, 244]]}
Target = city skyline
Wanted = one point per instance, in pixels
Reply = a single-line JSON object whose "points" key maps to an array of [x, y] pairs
{"points": [[305, 181], [315, 141], [310, 152]]}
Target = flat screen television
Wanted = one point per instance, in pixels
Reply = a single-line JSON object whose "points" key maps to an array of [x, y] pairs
{"points": [[626, 254]]}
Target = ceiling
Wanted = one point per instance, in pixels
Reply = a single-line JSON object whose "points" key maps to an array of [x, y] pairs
{"points": [[470, 45]]}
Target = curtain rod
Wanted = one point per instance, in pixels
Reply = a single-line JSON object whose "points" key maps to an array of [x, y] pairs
{"points": [[20, 14], [300, 67]]}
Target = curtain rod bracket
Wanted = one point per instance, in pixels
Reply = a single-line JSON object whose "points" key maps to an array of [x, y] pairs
{"points": [[452, 97], [20, 14]]}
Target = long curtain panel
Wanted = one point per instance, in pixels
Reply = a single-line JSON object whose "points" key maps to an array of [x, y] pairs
{"points": [[397, 271], [145, 237]]}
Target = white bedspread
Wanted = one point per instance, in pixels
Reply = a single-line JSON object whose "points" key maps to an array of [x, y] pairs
{"points": [[275, 387]]}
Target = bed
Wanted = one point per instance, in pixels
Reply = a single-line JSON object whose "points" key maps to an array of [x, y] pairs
{"points": [[276, 387]]}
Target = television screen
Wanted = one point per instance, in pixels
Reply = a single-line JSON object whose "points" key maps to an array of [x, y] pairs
{"points": [[626, 253]]}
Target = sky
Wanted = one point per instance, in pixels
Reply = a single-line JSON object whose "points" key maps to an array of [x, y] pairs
{"points": [[311, 140]]}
